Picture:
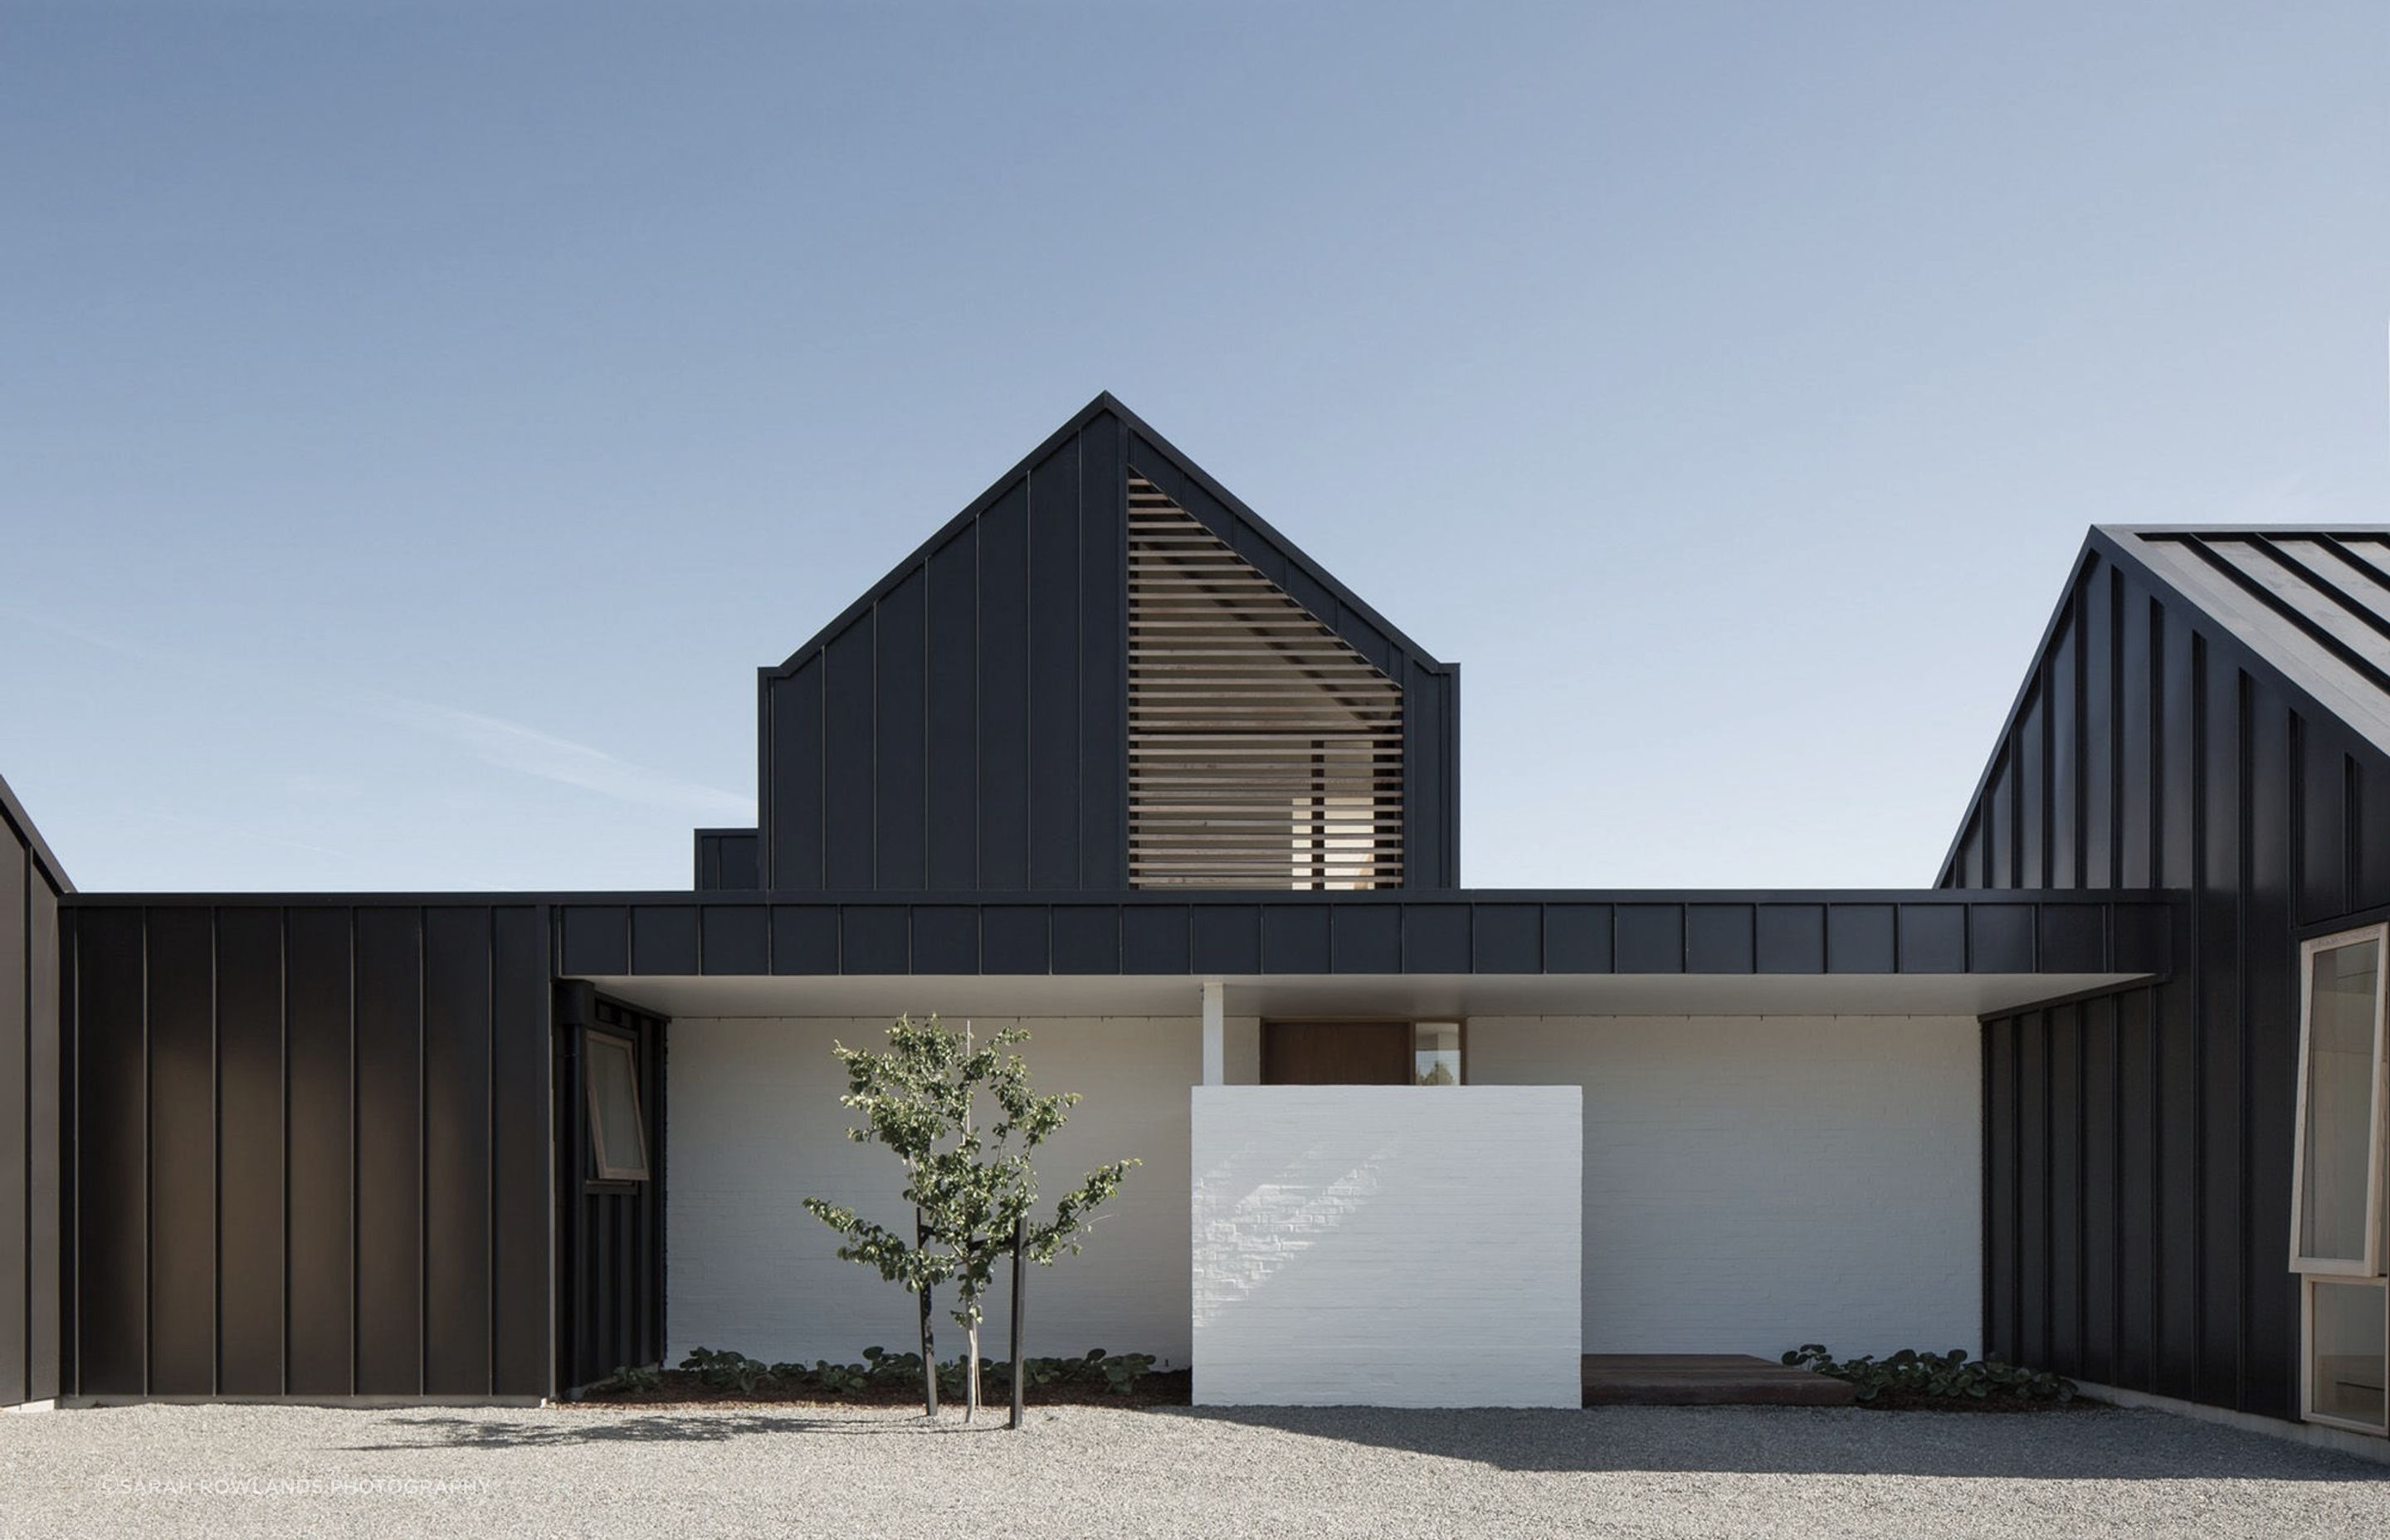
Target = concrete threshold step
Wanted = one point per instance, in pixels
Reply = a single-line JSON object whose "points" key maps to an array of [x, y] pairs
{"points": [[1706, 1380]]}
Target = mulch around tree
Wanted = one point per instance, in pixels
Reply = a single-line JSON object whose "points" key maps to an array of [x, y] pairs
{"points": [[683, 1387]]}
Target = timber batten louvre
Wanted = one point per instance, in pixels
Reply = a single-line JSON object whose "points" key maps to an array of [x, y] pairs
{"points": [[965, 724], [1263, 750]]}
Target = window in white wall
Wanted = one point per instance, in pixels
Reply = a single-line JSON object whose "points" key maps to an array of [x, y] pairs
{"points": [[2336, 1197], [1435, 1053], [618, 1135], [2349, 1353]]}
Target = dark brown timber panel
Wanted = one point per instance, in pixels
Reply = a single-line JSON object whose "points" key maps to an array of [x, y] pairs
{"points": [[311, 1149], [1336, 1053], [2138, 1149], [31, 1086]]}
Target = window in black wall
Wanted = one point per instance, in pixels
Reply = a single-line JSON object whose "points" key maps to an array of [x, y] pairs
{"points": [[618, 1133]]}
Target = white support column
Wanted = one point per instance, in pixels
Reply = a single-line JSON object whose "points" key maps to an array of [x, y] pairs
{"points": [[1215, 1032]]}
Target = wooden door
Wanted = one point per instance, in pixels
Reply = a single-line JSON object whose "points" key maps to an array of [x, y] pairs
{"points": [[1336, 1053]]}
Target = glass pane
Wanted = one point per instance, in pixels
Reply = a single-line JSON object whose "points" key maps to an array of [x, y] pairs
{"points": [[2342, 988], [2348, 1331], [615, 1107], [1435, 1053]]}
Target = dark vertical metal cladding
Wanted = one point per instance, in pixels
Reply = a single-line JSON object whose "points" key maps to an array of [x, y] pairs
{"points": [[2135, 810], [320, 963], [850, 754], [2001, 1272], [112, 1161], [2368, 830], [728, 860], [34, 1082], [2322, 768], [521, 1346], [790, 798], [15, 1109], [951, 767], [2098, 1224], [1004, 692], [1054, 685], [2269, 1056], [2137, 1192], [389, 1151], [2032, 764], [182, 1092], [2179, 1242], [900, 725], [2000, 822], [2065, 788], [48, 1364], [456, 1242], [2064, 1350], [2097, 732], [2155, 745], [1103, 656], [2033, 1187], [249, 1150], [2222, 827]]}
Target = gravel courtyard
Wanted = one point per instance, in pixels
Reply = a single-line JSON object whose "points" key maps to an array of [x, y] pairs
{"points": [[196, 1471]]}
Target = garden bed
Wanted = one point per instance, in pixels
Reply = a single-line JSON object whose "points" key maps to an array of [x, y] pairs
{"points": [[685, 1388], [1919, 1401], [1913, 1381]]}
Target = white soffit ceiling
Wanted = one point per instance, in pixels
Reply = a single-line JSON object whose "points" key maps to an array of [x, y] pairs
{"points": [[1364, 995]]}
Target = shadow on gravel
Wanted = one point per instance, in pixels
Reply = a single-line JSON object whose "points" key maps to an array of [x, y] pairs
{"points": [[2105, 1444], [468, 1433]]}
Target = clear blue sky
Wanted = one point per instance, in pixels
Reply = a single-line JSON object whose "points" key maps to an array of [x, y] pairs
{"points": [[420, 421]]}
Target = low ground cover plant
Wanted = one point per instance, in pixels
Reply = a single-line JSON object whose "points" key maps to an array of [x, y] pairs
{"points": [[1952, 1377], [736, 1374]]}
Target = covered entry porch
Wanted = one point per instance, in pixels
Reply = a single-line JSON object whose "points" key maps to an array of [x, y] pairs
{"points": [[1764, 1159]]}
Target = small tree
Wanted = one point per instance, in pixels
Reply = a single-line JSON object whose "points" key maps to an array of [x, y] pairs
{"points": [[969, 1184]]}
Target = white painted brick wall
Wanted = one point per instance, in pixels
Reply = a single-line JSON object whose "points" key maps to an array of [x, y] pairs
{"points": [[1386, 1245], [1748, 1183], [756, 1128], [1753, 1183]]}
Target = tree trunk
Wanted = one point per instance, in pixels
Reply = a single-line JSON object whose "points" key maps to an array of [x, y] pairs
{"points": [[970, 1384], [1020, 1362], [928, 1336]]}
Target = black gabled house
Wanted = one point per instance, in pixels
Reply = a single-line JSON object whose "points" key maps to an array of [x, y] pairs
{"points": [[1110, 754], [2209, 714], [1022, 704]]}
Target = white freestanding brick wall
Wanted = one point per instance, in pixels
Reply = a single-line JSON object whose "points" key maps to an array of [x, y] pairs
{"points": [[1388, 1246]]}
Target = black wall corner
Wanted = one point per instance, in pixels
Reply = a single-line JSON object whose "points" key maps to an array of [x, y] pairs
{"points": [[34, 1343]]}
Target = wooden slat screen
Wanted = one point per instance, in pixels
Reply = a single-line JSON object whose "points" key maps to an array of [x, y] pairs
{"points": [[1264, 752]]}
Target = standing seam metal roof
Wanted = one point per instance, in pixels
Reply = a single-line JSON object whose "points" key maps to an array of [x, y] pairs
{"points": [[2314, 602]]}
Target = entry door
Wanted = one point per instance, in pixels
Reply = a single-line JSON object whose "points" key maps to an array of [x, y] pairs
{"points": [[1336, 1053]]}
